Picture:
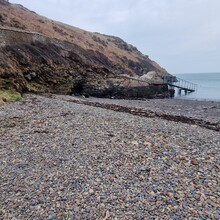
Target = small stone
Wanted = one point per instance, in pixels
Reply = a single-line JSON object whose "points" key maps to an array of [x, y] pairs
{"points": [[145, 169], [4, 99], [78, 202], [152, 193], [30, 76], [52, 216], [146, 150], [107, 215], [183, 158], [147, 144], [194, 162], [134, 142], [38, 207], [76, 209], [202, 199], [59, 214], [111, 135], [194, 126], [91, 191]]}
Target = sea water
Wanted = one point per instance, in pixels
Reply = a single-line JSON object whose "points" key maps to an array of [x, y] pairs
{"points": [[208, 86]]}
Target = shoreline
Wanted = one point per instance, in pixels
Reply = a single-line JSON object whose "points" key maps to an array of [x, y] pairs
{"points": [[197, 99]]}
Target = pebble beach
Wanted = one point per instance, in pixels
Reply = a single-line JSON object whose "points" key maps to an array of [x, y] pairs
{"points": [[64, 157]]}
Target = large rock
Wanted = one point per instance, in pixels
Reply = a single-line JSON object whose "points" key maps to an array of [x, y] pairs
{"points": [[152, 76]]}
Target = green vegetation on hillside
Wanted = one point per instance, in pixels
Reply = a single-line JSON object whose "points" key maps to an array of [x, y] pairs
{"points": [[9, 95]]}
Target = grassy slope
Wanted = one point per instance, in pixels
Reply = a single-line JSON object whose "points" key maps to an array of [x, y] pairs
{"points": [[16, 16]]}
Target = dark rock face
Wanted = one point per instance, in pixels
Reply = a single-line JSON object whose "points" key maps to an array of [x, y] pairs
{"points": [[125, 92], [31, 62]]}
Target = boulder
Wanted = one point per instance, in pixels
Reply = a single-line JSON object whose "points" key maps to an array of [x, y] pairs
{"points": [[30, 76], [152, 76]]}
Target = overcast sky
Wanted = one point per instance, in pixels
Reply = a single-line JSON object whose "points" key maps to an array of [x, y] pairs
{"points": [[183, 36]]}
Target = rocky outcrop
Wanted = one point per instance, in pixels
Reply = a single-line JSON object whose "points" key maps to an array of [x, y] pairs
{"points": [[97, 65], [4, 2]]}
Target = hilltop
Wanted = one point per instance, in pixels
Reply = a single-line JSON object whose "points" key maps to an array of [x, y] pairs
{"points": [[41, 55]]}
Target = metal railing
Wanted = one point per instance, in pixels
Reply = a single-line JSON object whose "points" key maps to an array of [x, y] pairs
{"points": [[174, 81]]}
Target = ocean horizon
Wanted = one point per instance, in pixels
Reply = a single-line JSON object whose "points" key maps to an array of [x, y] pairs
{"points": [[208, 86]]}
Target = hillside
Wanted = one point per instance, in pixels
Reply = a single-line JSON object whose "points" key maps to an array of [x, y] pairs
{"points": [[41, 55]]}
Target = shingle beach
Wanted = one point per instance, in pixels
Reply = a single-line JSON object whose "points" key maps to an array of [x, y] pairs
{"points": [[64, 157]]}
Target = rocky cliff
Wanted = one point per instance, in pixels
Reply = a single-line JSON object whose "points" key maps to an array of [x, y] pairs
{"points": [[41, 55]]}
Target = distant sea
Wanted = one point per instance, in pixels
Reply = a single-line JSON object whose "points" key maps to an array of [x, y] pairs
{"points": [[208, 86]]}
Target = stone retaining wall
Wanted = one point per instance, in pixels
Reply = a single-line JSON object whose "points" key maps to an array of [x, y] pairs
{"points": [[11, 37]]}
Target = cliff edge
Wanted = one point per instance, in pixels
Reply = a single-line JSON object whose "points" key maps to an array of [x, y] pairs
{"points": [[41, 55]]}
